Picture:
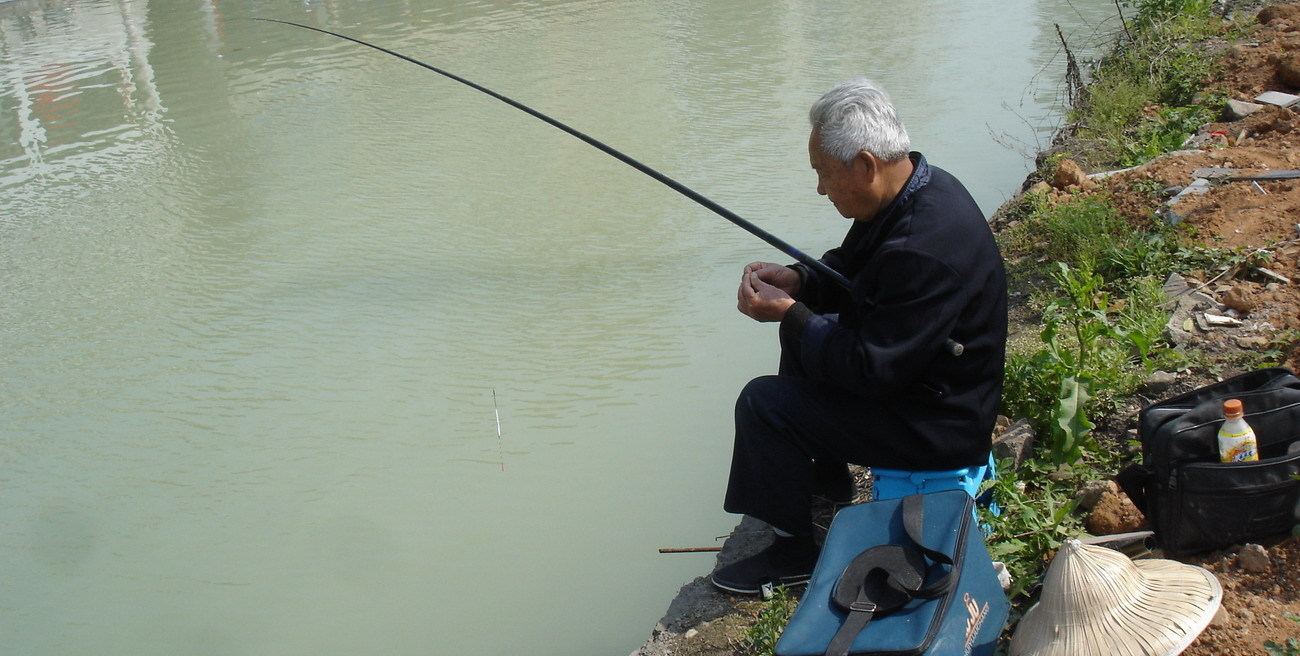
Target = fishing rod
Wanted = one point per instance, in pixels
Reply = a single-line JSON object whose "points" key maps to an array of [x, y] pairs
{"points": [[609, 150], [835, 276]]}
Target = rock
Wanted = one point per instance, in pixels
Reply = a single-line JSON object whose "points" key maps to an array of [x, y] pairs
{"points": [[1016, 442], [1247, 615], [1039, 187], [1159, 382], [1115, 513], [1235, 110], [1252, 342], [1093, 491], [1253, 558], [1288, 70], [1278, 12], [1221, 617], [1068, 174], [1239, 298]]}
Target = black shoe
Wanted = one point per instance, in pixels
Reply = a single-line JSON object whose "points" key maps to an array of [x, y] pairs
{"points": [[787, 561], [833, 481]]}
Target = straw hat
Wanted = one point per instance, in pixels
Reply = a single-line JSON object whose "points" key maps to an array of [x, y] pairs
{"points": [[1098, 602]]}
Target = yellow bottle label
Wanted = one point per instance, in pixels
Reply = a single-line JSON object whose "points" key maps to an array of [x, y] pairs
{"points": [[1238, 447]]}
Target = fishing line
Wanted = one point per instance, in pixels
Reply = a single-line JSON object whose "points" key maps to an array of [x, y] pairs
{"points": [[609, 150], [500, 453], [951, 346]]}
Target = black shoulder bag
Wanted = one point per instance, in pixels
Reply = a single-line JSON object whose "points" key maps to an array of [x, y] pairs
{"points": [[1197, 503]]}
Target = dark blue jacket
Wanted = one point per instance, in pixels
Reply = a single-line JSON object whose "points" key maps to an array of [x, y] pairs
{"points": [[924, 270]]}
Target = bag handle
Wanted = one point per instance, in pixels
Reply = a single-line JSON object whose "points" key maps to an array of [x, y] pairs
{"points": [[884, 578], [1134, 480]]}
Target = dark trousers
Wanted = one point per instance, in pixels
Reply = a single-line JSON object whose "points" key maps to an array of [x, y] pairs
{"points": [[787, 427]]}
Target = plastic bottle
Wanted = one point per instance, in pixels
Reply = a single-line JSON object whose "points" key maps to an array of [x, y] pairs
{"points": [[1236, 438]]}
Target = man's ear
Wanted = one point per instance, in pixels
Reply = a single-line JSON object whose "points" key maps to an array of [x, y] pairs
{"points": [[868, 164]]}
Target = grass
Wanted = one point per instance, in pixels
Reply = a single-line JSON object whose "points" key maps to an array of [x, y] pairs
{"points": [[1144, 98]]}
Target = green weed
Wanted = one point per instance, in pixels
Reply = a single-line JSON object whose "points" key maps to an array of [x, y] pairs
{"points": [[1157, 72], [1093, 349], [1165, 132], [760, 638], [1037, 515]]}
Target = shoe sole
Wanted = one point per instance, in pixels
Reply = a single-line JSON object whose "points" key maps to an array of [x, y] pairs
{"points": [[785, 583]]}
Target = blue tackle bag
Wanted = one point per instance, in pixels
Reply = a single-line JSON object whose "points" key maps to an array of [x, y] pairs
{"points": [[898, 577]]}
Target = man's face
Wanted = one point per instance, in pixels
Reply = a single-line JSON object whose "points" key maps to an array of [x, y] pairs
{"points": [[846, 185]]}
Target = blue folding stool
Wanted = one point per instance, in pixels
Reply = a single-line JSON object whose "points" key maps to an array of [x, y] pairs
{"points": [[898, 483]]}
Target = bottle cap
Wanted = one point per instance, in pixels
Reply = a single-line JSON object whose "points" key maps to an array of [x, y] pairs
{"points": [[1232, 407]]}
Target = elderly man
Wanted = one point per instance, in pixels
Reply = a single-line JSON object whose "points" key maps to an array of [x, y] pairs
{"points": [[867, 375]]}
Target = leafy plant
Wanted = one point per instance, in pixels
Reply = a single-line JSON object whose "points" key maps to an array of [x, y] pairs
{"points": [[1159, 71], [1073, 334], [760, 638], [1163, 133], [1037, 515]]}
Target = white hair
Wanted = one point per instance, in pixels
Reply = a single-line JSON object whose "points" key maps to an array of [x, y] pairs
{"points": [[855, 116]]}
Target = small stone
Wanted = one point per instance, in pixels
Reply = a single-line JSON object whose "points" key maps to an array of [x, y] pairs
{"points": [[1239, 298], [1175, 285], [1068, 173], [1160, 382], [1252, 342], [1221, 617], [1253, 558], [1039, 187], [1115, 513], [690, 633], [1092, 492], [1235, 110], [1015, 442]]}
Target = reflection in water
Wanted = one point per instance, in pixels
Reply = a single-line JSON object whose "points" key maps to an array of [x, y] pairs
{"points": [[259, 286], [58, 62]]}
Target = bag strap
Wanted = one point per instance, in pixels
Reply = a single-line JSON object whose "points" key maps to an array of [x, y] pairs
{"points": [[913, 523], [884, 578]]}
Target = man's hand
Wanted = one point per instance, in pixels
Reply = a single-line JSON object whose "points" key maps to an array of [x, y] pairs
{"points": [[781, 277], [766, 291]]}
